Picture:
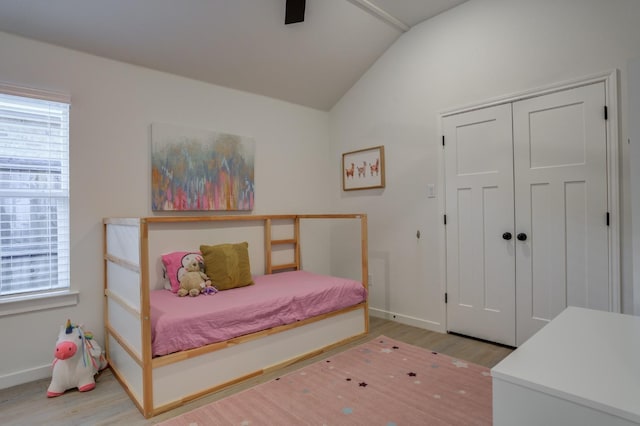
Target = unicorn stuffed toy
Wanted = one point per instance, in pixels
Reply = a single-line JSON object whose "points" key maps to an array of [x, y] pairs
{"points": [[78, 358]]}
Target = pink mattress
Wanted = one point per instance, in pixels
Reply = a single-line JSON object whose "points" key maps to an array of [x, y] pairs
{"points": [[180, 323]]}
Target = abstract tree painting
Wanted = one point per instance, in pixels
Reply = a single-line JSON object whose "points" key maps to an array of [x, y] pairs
{"points": [[193, 169]]}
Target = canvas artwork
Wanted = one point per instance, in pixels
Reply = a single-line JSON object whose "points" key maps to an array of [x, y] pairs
{"points": [[196, 169]]}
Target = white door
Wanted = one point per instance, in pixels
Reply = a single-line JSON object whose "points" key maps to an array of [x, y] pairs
{"points": [[535, 170], [480, 209], [561, 205]]}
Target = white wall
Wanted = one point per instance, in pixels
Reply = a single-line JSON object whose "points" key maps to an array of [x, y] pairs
{"points": [[113, 105], [481, 50], [634, 160]]}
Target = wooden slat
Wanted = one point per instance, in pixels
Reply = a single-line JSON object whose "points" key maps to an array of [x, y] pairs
{"points": [[147, 369], [364, 251], [267, 247], [364, 257], [125, 221], [281, 242], [284, 266], [173, 219], [332, 216], [178, 219], [121, 262], [296, 236], [105, 285]]}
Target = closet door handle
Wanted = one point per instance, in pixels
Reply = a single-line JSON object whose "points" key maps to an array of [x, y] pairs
{"points": [[506, 236], [522, 236]]}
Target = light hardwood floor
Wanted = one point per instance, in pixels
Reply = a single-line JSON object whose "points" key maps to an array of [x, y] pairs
{"points": [[108, 404]]}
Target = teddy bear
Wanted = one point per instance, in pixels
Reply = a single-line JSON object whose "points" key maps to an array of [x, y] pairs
{"points": [[193, 281]]}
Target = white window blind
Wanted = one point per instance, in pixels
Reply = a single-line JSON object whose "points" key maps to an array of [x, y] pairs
{"points": [[34, 193]]}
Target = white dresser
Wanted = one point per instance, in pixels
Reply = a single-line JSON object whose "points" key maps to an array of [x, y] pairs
{"points": [[583, 368]]}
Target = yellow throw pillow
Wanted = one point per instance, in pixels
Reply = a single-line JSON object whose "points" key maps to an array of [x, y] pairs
{"points": [[227, 265]]}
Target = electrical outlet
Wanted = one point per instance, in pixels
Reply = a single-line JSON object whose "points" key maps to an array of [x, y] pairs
{"points": [[370, 279]]}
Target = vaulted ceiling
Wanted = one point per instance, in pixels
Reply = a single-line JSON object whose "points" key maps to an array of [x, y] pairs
{"points": [[241, 44]]}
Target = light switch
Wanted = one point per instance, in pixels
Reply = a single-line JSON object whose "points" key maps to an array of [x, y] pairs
{"points": [[431, 190]]}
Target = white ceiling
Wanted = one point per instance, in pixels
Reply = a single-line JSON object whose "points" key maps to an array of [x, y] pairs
{"points": [[241, 44]]}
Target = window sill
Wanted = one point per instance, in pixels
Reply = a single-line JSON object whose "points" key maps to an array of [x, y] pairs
{"points": [[12, 305]]}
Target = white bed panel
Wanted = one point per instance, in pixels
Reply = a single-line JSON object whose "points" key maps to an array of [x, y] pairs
{"points": [[128, 368], [123, 241], [174, 381], [126, 324], [124, 283]]}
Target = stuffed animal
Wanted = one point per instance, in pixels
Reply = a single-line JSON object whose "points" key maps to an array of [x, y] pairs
{"points": [[193, 281], [78, 358]]}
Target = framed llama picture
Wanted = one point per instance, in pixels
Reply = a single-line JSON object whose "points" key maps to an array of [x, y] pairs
{"points": [[363, 169], [196, 169]]}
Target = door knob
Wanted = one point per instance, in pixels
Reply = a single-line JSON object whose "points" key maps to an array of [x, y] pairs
{"points": [[522, 236], [506, 236]]}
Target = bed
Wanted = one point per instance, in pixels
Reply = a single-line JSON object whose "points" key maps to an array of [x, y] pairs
{"points": [[290, 313]]}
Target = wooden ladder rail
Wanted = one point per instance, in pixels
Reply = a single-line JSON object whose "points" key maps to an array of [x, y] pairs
{"points": [[269, 243]]}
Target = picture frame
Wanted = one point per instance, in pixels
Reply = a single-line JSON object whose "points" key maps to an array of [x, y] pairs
{"points": [[363, 169]]}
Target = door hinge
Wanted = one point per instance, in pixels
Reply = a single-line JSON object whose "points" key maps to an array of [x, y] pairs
{"points": [[442, 140], [606, 113], [607, 218], [445, 219], [446, 298]]}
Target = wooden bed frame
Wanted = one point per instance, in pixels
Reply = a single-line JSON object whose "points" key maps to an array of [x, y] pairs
{"points": [[132, 267]]}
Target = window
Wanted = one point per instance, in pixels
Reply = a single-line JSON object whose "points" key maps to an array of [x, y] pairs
{"points": [[34, 192]]}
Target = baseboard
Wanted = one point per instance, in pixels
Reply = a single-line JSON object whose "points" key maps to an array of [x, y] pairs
{"points": [[25, 376], [408, 320]]}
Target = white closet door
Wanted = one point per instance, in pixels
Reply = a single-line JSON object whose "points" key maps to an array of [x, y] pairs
{"points": [[561, 205], [480, 209]]}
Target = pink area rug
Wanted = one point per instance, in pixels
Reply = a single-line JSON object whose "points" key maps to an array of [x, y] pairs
{"points": [[382, 382]]}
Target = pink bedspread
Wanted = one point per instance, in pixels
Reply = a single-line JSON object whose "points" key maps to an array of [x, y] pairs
{"points": [[180, 323]]}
